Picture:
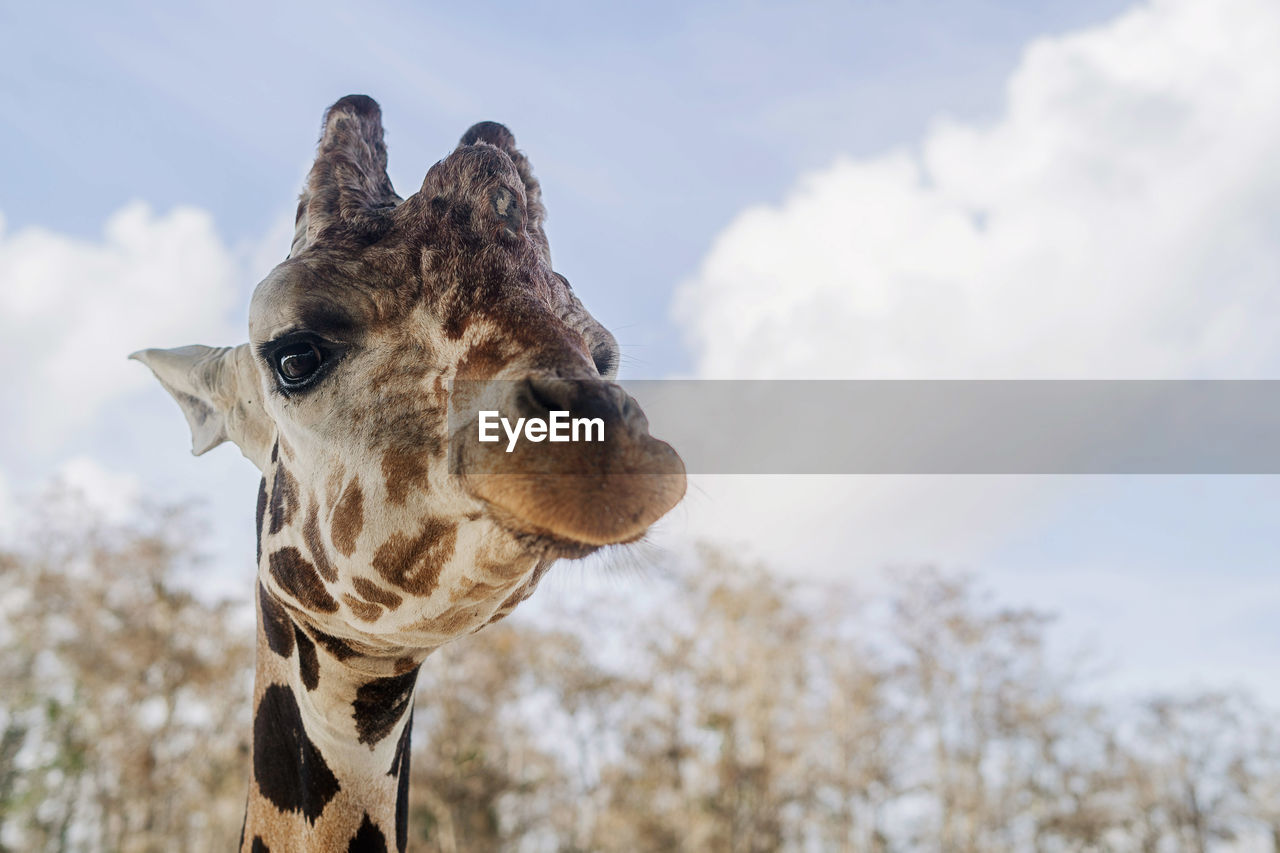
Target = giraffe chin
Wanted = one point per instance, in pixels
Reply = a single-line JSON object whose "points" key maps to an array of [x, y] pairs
{"points": [[542, 543], [531, 507]]}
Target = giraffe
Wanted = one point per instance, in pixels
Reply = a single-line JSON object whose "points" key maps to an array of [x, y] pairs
{"points": [[385, 529]]}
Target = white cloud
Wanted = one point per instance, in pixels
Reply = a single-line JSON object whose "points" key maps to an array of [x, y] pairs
{"points": [[845, 526], [72, 310], [78, 412], [1118, 220]]}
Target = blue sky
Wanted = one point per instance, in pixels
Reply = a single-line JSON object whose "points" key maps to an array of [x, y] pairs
{"points": [[875, 189], [650, 125]]}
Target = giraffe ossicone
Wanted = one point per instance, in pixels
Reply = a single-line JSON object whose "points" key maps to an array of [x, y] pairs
{"points": [[385, 528]]}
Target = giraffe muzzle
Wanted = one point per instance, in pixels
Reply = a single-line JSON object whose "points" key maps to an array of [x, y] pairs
{"points": [[571, 459]]}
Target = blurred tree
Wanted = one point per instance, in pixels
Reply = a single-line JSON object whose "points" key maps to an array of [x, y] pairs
{"points": [[984, 707], [475, 763], [712, 754], [1256, 773], [127, 702], [1184, 765], [723, 709]]}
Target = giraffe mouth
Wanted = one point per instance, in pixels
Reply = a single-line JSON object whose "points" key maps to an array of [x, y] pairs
{"points": [[575, 514]]}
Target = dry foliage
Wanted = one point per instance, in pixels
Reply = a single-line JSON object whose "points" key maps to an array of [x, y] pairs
{"points": [[719, 709], [125, 703]]}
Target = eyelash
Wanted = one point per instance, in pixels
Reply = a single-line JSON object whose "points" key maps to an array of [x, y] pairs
{"points": [[605, 361]]}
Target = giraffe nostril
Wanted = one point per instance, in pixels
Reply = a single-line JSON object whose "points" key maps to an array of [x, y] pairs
{"points": [[547, 395], [589, 398]]}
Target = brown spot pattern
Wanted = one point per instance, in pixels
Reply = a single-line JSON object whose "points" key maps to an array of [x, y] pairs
{"points": [[370, 591], [284, 499], [480, 592], [315, 544], [413, 563], [299, 578], [276, 625], [261, 514], [400, 769], [368, 838], [308, 663], [538, 572], [362, 609], [288, 768], [381, 703], [333, 487], [526, 589], [405, 664], [338, 648], [402, 470], [348, 519], [521, 593], [483, 360], [454, 621]]}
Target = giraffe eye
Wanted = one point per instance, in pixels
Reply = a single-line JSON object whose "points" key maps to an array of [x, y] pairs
{"points": [[297, 364]]}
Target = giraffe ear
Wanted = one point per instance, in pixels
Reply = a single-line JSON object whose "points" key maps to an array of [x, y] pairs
{"points": [[220, 394]]}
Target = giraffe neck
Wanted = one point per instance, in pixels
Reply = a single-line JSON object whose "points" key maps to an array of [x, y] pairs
{"points": [[330, 746]]}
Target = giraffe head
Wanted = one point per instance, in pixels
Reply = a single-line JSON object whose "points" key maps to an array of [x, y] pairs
{"points": [[382, 518]]}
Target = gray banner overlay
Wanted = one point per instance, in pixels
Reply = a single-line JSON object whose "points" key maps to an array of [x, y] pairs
{"points": [[964, 427]]}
